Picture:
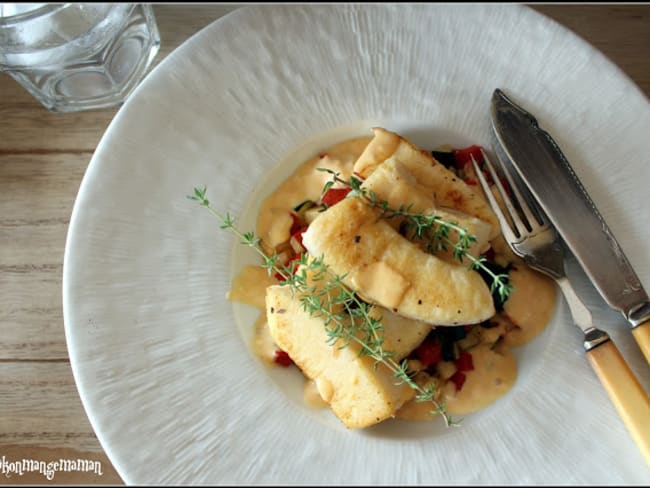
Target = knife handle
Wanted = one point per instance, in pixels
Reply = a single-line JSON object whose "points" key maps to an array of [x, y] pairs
{"points": [[641, 334], [625, 392]]}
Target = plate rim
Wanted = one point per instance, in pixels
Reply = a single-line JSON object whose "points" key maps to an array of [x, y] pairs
{"points": [[92, 170]]}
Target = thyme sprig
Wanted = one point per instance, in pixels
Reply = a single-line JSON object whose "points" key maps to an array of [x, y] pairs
{"points": [[431, 228], [347, 318]]}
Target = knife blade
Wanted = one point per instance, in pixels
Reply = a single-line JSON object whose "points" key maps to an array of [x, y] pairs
{"points": [[549, 176]]}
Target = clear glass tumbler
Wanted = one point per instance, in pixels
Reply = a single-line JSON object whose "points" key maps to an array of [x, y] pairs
{"points": [[78, 56]]}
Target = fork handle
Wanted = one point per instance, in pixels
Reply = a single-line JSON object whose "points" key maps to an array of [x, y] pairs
{"points": [[641, 334], [625, 392]]}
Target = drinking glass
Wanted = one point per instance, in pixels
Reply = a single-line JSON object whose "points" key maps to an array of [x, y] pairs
{"points": [[77, 56]]}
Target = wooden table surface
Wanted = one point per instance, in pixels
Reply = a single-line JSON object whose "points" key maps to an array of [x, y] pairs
{"points": [[43, 157]]}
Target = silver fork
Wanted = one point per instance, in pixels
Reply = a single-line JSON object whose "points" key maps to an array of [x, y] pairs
{"points": [[532, 237]]}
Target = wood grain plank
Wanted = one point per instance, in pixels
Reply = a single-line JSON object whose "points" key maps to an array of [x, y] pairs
{"points": [[36, 199], [38, 187], [40, 406], [31, 313], [34, 241]]}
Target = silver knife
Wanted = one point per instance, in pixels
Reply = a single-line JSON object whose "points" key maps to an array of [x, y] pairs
{"points": [[548, 175], [550, 178]]}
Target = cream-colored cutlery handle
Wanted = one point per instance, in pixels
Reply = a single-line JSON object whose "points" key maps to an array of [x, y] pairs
{"points": [[625, 391], [641, 334]]}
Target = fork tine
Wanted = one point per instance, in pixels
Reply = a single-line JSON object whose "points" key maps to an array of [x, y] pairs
{"points": [[535, 218], [506, 229], [520, 227]]}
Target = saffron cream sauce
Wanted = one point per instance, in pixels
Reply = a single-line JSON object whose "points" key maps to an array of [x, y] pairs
{"points": [[526, 312]]}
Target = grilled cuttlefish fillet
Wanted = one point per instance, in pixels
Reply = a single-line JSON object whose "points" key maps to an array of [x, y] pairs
{"points": [[387, 269], [393, 183], [447, 189], [358, 393]]}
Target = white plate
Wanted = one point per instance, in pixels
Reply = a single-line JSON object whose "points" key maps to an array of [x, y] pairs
{"points": [[168, 382]]}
